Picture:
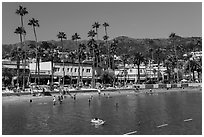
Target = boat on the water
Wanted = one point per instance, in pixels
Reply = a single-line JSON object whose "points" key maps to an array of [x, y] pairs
{"points": [[97, 121]]}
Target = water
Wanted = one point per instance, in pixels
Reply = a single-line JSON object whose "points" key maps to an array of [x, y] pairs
{"points": [[141, 113]]}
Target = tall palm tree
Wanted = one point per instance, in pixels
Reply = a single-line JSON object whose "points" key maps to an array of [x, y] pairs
{"points": [[22, 11], [92, 44], [159, 57], [82, 57], [20, 31], [105, 25], [124, 57], [72, 56], [172, 37], [34, 23], [62, 36], [138, 58], [95, 26], [75, 38]]}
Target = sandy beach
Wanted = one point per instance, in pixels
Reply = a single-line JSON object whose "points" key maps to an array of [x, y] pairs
{"points": [[27, 98]]}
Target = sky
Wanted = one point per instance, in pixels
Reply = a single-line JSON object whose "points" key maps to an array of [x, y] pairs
{"points": [[132, 19]]}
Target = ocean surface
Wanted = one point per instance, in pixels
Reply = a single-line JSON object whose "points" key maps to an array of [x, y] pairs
{"points": [[174, 113]]}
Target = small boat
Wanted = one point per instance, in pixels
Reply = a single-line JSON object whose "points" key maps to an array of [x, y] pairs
{"points": [[97, 121]]}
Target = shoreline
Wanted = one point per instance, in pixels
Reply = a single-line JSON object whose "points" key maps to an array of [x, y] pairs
{"points": [[21, 98]]}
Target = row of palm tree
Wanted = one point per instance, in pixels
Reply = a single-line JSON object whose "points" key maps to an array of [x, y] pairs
{"points": [[95, 51]]}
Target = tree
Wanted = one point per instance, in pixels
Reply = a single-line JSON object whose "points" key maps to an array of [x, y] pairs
{"points": [[192, 66], [159, 56], [105, 25], [82, 56], [34, 23], [124, 57], [20, 31], [62, 36], [95, 26], [75, 38], [22, 11], [92, 46], [50, 54], [72, 56], [137, 59]]}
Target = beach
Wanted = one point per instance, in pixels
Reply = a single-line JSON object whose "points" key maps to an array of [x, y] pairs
{"points": [[87, 94]]}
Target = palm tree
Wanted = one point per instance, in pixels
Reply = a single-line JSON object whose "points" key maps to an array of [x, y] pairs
{"points": [[105, 25], [61, 36], [34, 23], [172, 37], [159, 57], [192, 66], [95, 26], [82, 57], [20, 31], [138, 58], [22, 11], [92, 44], [124, 58], [75, 38], [72, 56], [50, 54]]}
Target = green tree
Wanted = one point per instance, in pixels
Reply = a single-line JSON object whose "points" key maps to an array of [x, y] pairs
{"points": [[75, 38], [22, 11], [92, 46], [159, 57], [20, 31], [137, 59], [35, 23], [105, 38], [62, 36]]}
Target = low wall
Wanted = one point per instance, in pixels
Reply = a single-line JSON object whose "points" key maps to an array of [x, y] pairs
{"points": [[142, 86]]}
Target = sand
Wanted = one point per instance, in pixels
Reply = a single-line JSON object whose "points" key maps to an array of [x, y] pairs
{"points": [[23, 98]]}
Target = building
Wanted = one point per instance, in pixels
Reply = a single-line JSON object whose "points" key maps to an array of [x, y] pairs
{"points": [[71, 72]]}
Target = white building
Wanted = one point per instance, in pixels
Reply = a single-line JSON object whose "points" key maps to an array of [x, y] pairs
{"points": [[71, 71]]}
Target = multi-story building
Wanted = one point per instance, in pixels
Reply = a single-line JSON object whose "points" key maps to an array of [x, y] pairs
{"points": [[71, 72]]}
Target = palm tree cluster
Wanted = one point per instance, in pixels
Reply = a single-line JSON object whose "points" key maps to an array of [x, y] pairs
{"points": [[101, 53]]}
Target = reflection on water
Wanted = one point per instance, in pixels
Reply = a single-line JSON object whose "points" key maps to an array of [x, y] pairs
{"points": [[141, 113]]}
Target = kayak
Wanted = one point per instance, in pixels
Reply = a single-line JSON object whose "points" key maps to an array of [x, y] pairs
{"points": [[97, 122]]}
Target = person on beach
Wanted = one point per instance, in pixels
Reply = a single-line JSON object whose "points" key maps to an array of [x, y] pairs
{"points": [[99, 92], [59, 99], [54, 100], [74, 96]]}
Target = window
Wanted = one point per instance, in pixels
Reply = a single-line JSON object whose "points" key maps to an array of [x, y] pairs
{"points": [[67, 69], [71, 70], [75, 70], [88, 70], [82, 70], [57, 69], [140, 71], [130, 70]]}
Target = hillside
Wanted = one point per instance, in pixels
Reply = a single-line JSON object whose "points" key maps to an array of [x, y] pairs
{"points": [[126, 44]]}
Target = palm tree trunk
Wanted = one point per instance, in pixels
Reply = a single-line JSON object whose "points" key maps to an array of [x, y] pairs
{"points": [[24, 56], [52, 69], [38, 62], [138, 69], [37, 68], [93, 71], [158, 72]]}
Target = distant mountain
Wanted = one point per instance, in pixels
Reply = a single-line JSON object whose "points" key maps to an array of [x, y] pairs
{"points": [[125, 44]]}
